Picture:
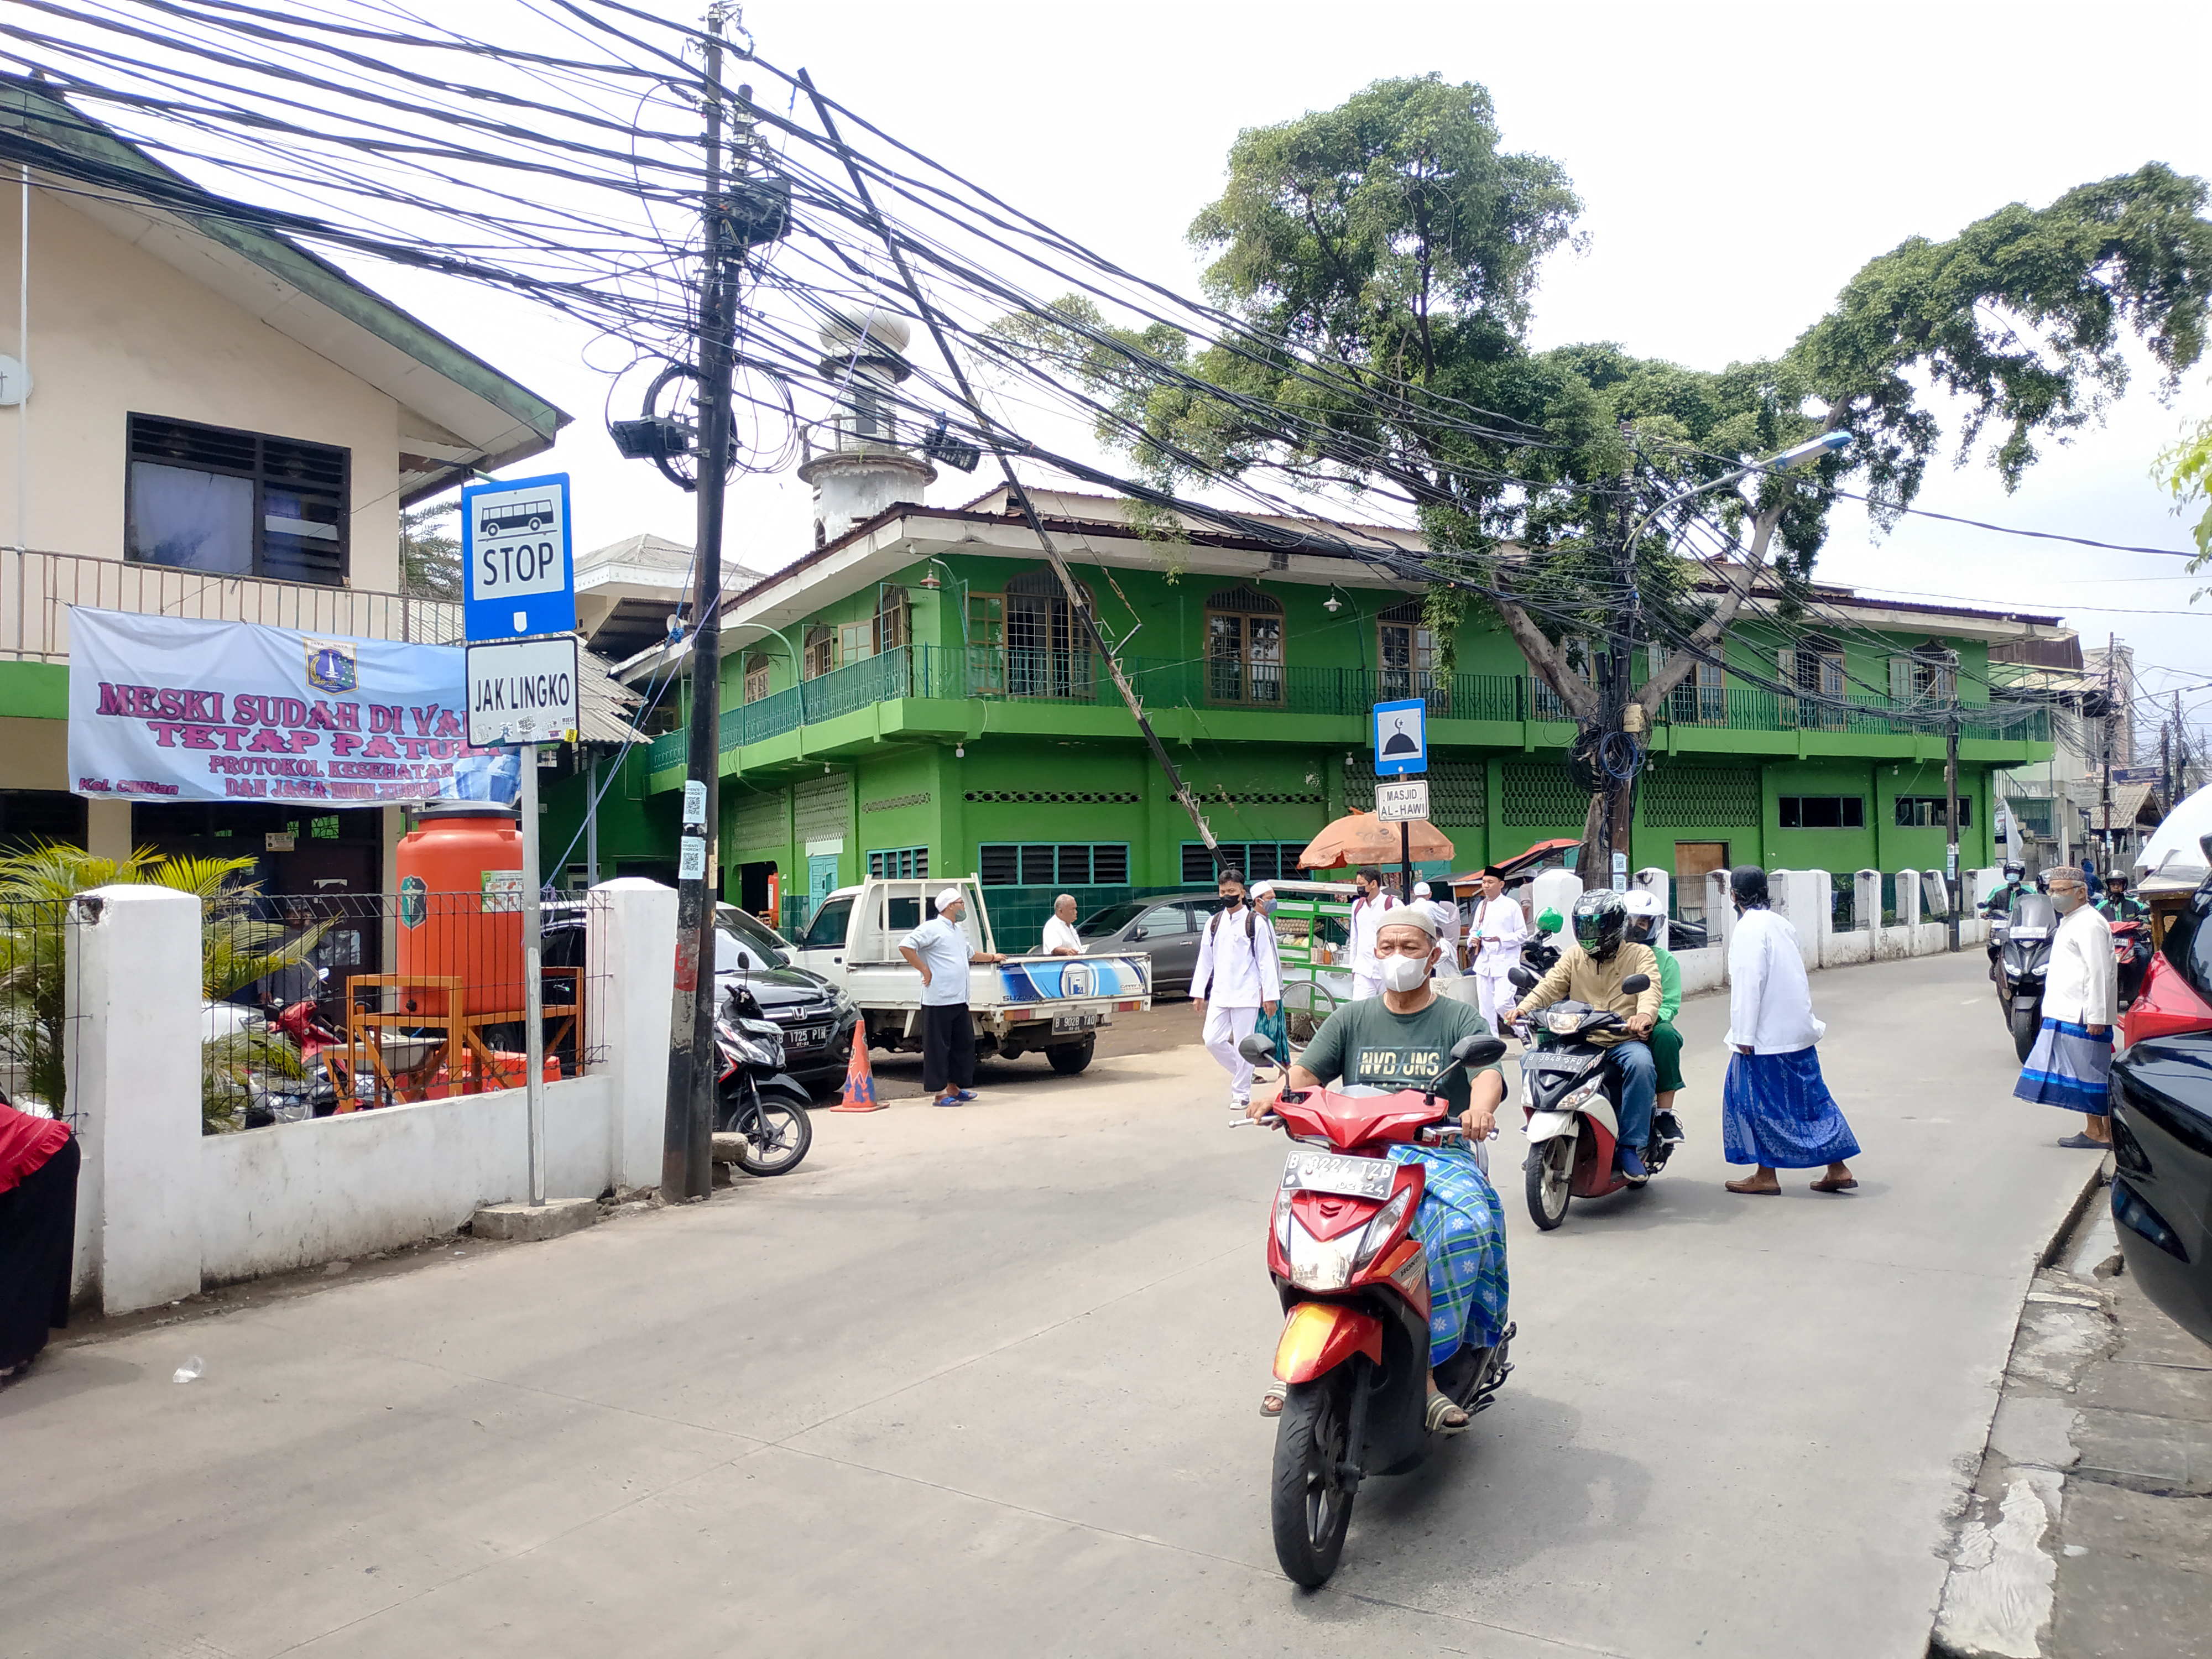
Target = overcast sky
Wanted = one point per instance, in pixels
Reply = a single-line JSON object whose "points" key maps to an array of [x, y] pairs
{"points": [[1737, 165]]}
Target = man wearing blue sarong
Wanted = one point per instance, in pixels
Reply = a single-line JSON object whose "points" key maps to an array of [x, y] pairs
{"points": [[1775, 1110], [1399, 1040], [2070, 1066]]}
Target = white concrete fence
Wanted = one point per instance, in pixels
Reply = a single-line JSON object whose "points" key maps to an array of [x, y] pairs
{"points": [[164, 1211], [1807, 897]]}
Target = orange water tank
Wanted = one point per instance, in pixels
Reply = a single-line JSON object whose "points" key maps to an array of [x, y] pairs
{"points": [[460, 907]]}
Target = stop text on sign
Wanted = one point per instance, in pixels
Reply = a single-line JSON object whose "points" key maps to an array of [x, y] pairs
{"points": [[517, 560]]}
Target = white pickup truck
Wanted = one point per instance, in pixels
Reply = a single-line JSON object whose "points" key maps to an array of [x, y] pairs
{"points": [[1057, 1005]]}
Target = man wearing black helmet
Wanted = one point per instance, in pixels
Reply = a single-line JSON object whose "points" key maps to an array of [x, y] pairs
{"points": [[1592, 971], [1999, 902]]}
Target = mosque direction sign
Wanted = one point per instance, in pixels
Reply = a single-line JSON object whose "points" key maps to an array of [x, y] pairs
{"points": [[1406, 800], [1402, 737]]}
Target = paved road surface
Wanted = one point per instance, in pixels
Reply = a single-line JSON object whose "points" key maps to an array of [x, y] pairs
{"points": [[984, 1383]]}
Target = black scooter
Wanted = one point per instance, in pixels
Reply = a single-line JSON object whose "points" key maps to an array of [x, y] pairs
{"points": [[2022, 960], [754, 1097]]}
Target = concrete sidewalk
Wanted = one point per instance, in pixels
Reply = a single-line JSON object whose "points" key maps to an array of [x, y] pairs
{"points": [[984, 1381], [2090, 1532]]}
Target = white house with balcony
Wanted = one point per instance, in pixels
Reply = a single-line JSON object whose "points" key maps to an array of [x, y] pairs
{"points": [[218, 423]]}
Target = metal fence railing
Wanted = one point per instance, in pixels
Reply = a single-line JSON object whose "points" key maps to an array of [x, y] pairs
{"points": [[325, 1003], [962, 673], [37, 588], [35, 1003]]}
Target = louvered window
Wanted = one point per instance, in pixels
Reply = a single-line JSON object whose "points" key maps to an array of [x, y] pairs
{"points": [[236, 503]]}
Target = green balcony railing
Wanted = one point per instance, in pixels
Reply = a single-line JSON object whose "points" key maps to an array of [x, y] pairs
{"points": [[961, 673]]}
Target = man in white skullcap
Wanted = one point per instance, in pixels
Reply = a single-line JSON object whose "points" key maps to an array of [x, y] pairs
{"points": [[1060, 939], [941, 951]]}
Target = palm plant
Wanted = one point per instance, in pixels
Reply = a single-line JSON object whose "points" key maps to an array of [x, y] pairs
{"points": [[235, 950]]}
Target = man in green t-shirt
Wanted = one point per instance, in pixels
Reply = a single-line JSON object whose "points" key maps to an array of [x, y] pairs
{"points": [[1646, 915], [1401, 1040]]}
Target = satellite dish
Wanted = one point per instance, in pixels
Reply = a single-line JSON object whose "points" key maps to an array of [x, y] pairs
{"points": [[15, 382]]}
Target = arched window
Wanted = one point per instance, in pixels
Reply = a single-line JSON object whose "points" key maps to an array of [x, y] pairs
{"points": [[821, 653], [1244, 647], [756, 677], [892, 628], [1047, 650], [1815, 666]]}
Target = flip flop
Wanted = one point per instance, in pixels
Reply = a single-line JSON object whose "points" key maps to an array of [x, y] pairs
{"points": [[1441, 1405], [1271, 1403], [2083, 1143], [1750, 1188], [1824, 1185]]}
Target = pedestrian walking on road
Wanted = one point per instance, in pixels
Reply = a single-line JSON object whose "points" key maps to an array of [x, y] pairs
{"points": [[1238, 978], [1495, 936], [940, 950], [1369, 912], [38, 1231], [1060, 939], [1776, 1109], [2071, 1064], [1447, 917]]}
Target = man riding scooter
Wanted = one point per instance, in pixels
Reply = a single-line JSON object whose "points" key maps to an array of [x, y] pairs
{"points": [[1646, 916], [1400, 1040], [1592, 971], [1999, 902]]}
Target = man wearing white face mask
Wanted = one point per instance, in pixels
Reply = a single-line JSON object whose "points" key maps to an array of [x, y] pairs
{"points": [[1400, 1040]]}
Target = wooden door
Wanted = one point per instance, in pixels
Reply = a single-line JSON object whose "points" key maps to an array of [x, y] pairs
{"points": [[1693, 861]]}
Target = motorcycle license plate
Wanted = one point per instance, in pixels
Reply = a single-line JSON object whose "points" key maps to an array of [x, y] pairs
{"points": [[1332, 1172], [2024, 934]]}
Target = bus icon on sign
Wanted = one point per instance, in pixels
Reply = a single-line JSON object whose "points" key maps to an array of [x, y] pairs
{"points": [[534, 514]]}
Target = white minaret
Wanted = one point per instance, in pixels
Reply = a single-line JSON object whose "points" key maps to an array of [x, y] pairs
{"points": [[865, 471]]}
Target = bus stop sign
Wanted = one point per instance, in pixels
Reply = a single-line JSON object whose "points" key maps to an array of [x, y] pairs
{"points": [[518, 570]]}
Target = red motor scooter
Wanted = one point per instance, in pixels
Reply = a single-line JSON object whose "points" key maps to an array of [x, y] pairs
{"points": [[1354, 1356]]}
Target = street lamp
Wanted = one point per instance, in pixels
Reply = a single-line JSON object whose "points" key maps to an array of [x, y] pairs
{"points": [[1826, 444]]}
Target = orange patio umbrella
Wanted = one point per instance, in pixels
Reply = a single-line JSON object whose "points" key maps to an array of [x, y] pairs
{"points": [[1362, 838]]}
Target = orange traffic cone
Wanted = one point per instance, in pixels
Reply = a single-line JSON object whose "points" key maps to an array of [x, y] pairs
{"points": [[860, 1095]]}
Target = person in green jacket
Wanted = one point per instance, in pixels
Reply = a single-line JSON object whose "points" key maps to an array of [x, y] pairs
{"points": [[1645, 914]]}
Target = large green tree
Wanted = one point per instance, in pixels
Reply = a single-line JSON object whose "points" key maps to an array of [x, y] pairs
{"points": [[1381, 260]]}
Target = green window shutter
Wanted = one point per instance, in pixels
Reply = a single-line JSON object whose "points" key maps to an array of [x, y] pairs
{"points": [[1900, 679]]}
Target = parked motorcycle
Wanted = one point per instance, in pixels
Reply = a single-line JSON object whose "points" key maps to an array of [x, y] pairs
{"points": [[1572, 1100], [753, 1096], [2022, 960], [1354, 1283], [273, 1097]]}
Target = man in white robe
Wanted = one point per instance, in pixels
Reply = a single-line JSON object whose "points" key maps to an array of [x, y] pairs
{"points": [[1447, 919], [1369, 911], [1494, 934], [1239, 977], [1776, 1109]]}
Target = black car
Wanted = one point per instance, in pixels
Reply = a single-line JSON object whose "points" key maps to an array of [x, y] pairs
{"points": [[2161, 1103], [816, 1018], [1166, 929]]}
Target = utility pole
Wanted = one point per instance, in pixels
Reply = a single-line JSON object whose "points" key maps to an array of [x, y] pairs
{"points": [[1952, 872], [1618, 797], [687, 1136], [1078, 604], [2112, 651]]}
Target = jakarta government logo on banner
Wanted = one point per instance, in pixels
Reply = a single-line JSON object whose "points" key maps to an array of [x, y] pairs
{"points": [[168, 707]]}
